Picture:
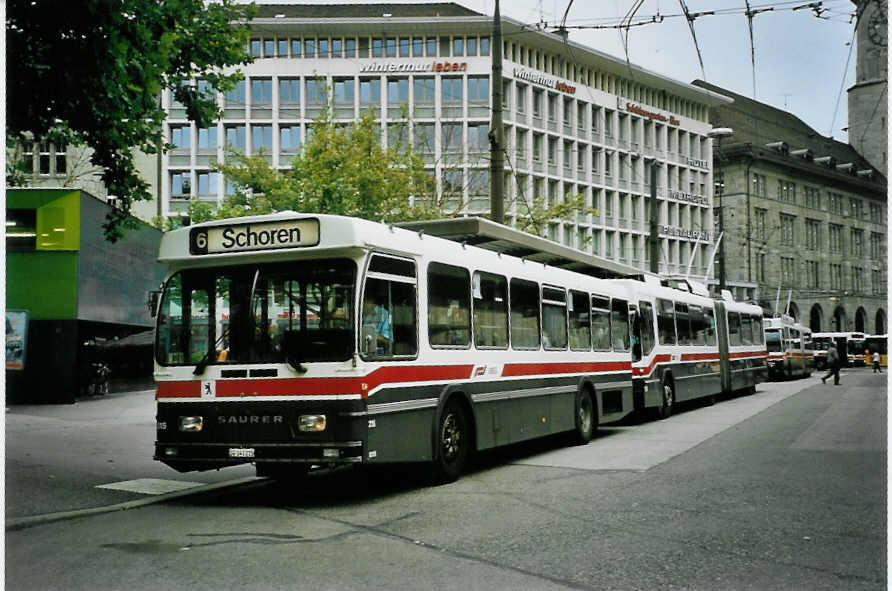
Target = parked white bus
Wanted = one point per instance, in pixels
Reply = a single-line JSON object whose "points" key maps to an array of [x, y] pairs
{"points": [[293, 340]]}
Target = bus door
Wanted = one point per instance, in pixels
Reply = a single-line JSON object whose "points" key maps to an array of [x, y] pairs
{"points": [[721, 328]]}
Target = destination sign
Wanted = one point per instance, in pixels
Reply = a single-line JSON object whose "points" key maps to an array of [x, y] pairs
{"points": [[256, 236]]}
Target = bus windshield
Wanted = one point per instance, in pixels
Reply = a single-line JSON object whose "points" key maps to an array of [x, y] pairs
{"points": [[257, 313], [773, 340]]}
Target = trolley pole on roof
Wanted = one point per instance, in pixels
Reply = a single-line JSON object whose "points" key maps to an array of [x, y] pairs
{"points": [[496, 133]]}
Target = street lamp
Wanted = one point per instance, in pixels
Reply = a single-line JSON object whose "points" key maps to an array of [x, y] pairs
{"points": [[718, 133]]}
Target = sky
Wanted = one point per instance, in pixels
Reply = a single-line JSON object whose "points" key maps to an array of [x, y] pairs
{"points": [[800, 59]]}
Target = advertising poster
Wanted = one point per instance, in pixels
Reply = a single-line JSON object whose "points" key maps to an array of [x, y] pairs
{"points": [[16, 338]]}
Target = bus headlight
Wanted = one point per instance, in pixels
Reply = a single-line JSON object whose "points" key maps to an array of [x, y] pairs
{"points": [[191, 424], [311, 423]]}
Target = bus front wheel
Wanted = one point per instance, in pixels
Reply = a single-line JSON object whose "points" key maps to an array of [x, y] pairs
{"points": [[453, 443]]}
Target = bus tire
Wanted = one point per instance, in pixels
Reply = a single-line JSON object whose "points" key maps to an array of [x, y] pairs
{"points": [[282, 471], [453, 443], [586, 416], [668, 400]]}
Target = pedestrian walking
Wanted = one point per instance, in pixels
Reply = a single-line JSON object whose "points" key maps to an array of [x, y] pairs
{"points": [[876, 362], [833, 363]]}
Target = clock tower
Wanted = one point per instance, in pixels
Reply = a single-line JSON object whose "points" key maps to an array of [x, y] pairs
{"points": [[869, 97]]}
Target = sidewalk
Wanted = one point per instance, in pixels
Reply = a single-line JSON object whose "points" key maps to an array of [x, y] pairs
{"points": [[56, 455]]}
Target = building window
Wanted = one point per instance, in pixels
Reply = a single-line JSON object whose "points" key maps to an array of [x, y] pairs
{"points": [[289, 91], [350, 48], [261, 92], [788, 271], [344, 91], [390, 47], [207, 138], [834, 203], [323, 47], [235, 137], [261, 138], [451, 138], [786, 191], [207, 184], [478, 88], [857, 242], [478, 137], [451, 90], [289, 138], [835, 238], [431, 46], [760, 185], [855, 207], [812, 197], [255, 47], [418, 47], [813, 234], [337, 47], [760, 267], [484, 46], [424, 90], [315, 91], [877, 282], [180, 137], [787, 224], [759, 218], [811, 274], [424, 137], [397, 91], [857, 279], [835, 276], [370, 91], [877, 251], [180, 185]]}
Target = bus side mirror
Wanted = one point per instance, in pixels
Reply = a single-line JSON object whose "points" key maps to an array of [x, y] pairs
{"points": [[152, 302]]}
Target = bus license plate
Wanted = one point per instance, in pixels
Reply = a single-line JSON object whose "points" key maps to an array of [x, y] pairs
{"points": [[241, 452]]}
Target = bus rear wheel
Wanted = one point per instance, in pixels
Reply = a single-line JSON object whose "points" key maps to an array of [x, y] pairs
{"points": [[453, 444], [668, 402], [586, 415]]}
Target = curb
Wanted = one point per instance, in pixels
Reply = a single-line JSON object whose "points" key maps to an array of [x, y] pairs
{"points": [[20, 523]]}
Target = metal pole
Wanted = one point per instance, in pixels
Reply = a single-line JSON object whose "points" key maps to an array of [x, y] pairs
{"points": [[496, 133], [654, 217], [720, 188]]}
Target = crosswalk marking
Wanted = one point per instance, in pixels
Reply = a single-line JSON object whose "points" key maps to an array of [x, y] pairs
{"points": [[150, 486]]}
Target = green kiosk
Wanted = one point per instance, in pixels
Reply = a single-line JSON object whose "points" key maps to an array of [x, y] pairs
{"points": [[75, 290]]}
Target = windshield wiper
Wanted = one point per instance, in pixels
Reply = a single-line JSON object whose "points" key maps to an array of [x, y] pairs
{"points": [[203, 363]]}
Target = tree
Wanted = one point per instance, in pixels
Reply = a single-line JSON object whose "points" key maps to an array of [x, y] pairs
{"points": [[341, 169], [91, 73]]}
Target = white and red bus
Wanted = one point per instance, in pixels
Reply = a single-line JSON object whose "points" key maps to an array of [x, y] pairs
{"points": [[790, 348], [293, 340], [692, 346]]}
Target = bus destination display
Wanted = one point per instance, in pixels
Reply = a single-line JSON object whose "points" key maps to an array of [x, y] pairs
{"points": [[258, 236]]}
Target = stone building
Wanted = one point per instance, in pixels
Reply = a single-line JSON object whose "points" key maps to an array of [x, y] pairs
{"points": [[804, 218]]}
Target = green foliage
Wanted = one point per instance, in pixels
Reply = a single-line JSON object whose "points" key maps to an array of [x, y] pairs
{"points": [[91, 72], [535, 217], [340, 170]]}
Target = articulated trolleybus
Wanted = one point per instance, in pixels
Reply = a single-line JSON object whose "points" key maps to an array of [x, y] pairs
{"points": [[790, 348], [295, 340]]}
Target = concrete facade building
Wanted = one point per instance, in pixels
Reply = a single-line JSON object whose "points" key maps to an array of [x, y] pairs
{"points": [[805, 220], [576, 120]]}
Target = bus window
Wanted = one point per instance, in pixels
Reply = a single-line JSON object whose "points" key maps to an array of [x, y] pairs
{"points": [[710, 324], [646, 312], [619, 324], [448, 306], [490, 311], [199, 324], [683, 324], [734, 329], [554, 318], [773, 340], [698, 325], [666, 321], [580, 322], [524, 314], [746, 329], [388, 309], [758, 334], [600, 323]]}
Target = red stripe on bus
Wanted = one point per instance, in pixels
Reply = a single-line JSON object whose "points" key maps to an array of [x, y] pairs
{"points": [[529, 369], [185, 389], [756, 354], [641, 371], [699, 356], [331, 386]]}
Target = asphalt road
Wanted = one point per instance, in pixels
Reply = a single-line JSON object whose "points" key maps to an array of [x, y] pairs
{"points": [[785, 489]]}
